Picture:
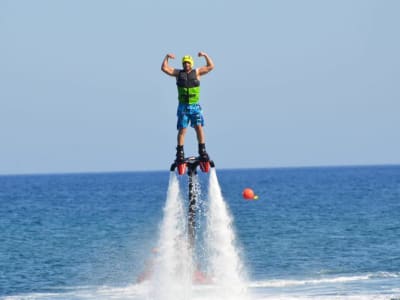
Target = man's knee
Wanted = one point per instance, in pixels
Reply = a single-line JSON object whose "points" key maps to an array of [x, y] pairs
{"points": [[198, 128]]}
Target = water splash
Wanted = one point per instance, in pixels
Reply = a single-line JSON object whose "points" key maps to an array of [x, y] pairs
{"points": [[173, 265], [174, 275], [225, 264]]}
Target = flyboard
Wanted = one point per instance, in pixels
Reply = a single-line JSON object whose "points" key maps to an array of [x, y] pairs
{"points": [[190, 164]]}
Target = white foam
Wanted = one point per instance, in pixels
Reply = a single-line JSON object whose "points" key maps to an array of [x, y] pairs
{"points": [[172, 274], [225, 264], [199, 292], [288, 283], [173, 268], [327, 280]]}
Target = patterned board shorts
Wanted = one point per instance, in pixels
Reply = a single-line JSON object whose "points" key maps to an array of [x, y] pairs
{"points": [[189, 114]]}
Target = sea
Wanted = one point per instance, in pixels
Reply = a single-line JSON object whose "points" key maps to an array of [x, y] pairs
{"points": [[313, 233]]}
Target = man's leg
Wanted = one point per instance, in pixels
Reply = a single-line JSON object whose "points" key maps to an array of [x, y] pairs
{"points": [[200, 134], [180, 154], [181, 136], [202, 146]]}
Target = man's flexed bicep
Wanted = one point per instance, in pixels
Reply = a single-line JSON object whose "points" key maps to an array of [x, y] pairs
{"points": [[166, 68], [208, 67]]}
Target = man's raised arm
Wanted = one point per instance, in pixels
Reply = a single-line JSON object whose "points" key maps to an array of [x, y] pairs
{"points": [[166, 68], [207, 68]]}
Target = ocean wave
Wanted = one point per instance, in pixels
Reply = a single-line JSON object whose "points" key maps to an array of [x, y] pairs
{"points": [[131, 292], [292, 289], [310, 281], [205, 292], [385, 275]]}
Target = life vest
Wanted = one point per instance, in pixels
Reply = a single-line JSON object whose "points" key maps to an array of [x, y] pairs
{"points": [[188, 87]]}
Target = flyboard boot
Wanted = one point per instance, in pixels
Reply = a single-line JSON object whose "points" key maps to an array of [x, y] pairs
{"points": [[180, 160], [204, 158], [191, 163]]}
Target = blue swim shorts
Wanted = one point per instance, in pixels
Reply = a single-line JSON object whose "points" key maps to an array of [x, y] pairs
{"points": [[189, 114]]}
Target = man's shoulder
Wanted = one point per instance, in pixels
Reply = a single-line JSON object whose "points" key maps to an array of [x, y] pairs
{"points": [[176, 72]]}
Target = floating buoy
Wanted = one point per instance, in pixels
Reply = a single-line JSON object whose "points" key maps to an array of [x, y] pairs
{"points": [[248, 194]]}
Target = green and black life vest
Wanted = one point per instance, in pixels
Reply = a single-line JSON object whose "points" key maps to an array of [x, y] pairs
{"points": [[188, 87]]}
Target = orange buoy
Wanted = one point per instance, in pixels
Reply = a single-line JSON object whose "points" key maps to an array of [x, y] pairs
{"points": [[248, 194]]}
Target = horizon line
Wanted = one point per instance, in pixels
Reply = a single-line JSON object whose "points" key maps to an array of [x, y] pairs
{"points": [[222, 169]]}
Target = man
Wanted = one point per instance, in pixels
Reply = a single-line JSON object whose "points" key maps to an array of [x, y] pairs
{"points": [[189, 110]]}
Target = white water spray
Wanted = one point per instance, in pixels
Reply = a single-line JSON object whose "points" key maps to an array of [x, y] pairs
{"points": [[172, 274], [174, 267], [225, 264]]}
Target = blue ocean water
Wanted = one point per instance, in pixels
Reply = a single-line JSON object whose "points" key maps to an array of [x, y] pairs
{"points": [[314, 233]]}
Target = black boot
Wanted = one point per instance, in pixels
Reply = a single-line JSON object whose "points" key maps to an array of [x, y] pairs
{"points": [[203, 153], [180, 155]]}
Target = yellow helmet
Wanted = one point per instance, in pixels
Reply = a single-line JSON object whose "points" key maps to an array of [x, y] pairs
{"points": [[189, 59]]}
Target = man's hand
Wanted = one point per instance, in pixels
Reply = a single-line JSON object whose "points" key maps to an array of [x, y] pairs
{"points": [[170, 55], [201, 53]]}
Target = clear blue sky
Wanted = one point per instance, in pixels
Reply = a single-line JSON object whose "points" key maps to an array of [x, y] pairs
{"points": [[296, 83]]}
